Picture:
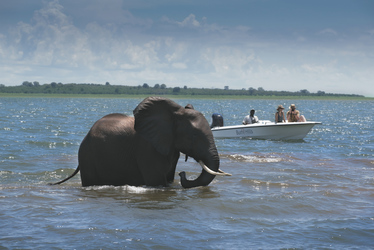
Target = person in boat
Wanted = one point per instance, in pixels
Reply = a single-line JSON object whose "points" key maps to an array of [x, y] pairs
{"points": [[279, 115], [293, 115], [251, 118]]}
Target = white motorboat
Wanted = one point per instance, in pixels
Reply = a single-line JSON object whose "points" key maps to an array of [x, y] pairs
{"points": [[266, 130]]}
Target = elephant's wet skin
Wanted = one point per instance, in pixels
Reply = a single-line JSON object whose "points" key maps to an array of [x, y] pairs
{"points": [[144, 149]]}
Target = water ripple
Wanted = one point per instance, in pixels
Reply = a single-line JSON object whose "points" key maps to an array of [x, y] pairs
{"points": [[313, 193]]}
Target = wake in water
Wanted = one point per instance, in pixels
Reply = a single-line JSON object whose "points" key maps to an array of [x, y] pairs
{"points": [[258, 157]]}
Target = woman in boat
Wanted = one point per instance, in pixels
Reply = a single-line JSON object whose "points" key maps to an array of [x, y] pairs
{"points": [[293, 115], [279, 115]]}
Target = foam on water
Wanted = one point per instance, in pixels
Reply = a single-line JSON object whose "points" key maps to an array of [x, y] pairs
{"points": [[256, 158]]}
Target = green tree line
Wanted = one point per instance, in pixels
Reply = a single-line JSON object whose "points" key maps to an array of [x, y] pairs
{"points": [[145, 89]]}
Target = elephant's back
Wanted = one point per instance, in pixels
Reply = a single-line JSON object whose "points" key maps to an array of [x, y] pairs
{"points": [[107, 154], [115, 124]]}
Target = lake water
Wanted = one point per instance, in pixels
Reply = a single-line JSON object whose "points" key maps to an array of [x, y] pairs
{"points": [[312, 193]]}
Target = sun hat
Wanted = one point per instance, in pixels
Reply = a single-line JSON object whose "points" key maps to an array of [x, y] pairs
{"points": [[292, 105], [280, 107]]}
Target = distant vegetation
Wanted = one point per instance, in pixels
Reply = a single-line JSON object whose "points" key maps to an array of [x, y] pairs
{"points": [[158, 89]]}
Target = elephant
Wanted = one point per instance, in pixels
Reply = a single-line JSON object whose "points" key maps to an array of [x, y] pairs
{"points": [[143, 150]]}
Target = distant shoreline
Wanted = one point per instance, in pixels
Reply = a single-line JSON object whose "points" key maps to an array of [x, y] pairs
{"points": [[124, 91], [227, 97]]}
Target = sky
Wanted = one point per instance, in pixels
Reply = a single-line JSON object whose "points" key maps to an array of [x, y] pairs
{"points": [[292, 45]]}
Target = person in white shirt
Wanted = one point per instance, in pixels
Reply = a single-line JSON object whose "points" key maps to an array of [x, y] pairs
{"points": [[251, 118]]}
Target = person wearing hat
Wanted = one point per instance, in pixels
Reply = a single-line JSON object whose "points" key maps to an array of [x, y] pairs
{"points": [[251, 118], [279, 116], [293, 115]]}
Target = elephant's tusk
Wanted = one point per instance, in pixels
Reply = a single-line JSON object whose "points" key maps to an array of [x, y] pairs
{"points": [[220, 172]]}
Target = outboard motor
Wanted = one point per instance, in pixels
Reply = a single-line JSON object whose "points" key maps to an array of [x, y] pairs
{"points": [[217, 120]]}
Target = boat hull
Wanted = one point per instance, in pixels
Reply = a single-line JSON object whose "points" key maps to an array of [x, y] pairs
{"points": [[266, 130]]}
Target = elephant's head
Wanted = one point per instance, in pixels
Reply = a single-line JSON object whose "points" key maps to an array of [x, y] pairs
{"points": [[169, 126]]}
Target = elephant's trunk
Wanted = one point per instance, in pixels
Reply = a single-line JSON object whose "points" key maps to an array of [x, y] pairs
{"points": [[204, 178]]}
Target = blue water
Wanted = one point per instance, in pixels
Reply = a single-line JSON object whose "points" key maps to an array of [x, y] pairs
{"points": [[312, 193]]}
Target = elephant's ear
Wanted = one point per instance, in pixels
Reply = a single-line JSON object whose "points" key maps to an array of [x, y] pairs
{"points": [[154, 122]]}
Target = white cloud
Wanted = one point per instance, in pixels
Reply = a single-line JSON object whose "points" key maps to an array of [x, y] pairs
{"points": [[189, 21], [176, 50], [314, 68], [116, 46], [179, 65], [228, 60], [330, 32]]}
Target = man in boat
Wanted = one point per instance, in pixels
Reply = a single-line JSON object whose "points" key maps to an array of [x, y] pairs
{"points": [[251, 118], [293, 115]]}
